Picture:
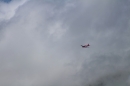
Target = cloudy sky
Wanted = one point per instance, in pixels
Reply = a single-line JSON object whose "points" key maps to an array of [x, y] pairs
{"points": [[40, 42]]}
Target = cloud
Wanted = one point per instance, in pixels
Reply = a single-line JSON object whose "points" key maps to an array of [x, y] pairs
{"points": [[7, 11], [6, 1], [40, 43]]}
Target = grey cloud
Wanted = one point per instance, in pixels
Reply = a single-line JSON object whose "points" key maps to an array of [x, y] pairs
{"points": [[41, 42], [6, 1]]}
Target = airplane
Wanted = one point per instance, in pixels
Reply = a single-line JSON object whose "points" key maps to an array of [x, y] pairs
{"points": [[85, 46]]}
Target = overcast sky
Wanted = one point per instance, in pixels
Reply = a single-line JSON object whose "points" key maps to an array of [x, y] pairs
{"points": [[40, 42]]}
